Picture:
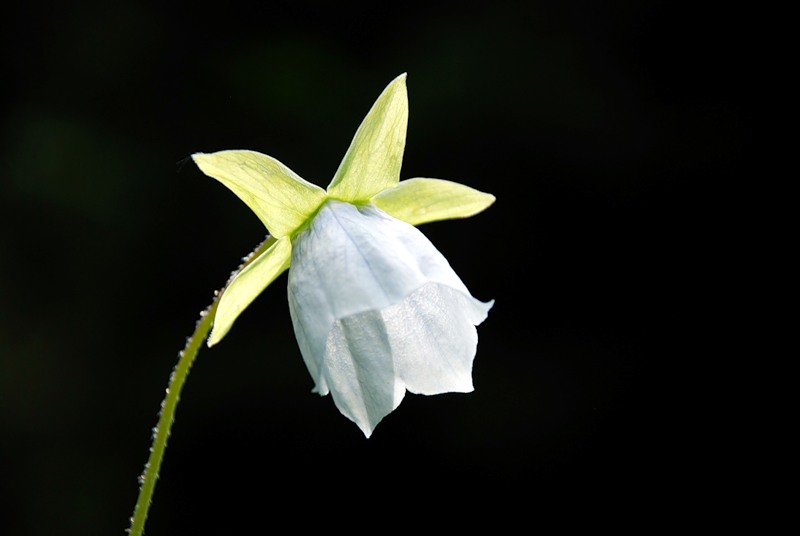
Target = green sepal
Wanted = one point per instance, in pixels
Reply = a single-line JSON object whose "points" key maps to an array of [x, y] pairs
{"points": [[280, 198], [373, 161], [248, 284], [417, 201]]}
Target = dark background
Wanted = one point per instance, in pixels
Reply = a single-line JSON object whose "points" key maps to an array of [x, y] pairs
{"points": [[601, 127]]}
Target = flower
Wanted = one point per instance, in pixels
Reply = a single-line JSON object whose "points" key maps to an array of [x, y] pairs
{"points": [[376, 308]]}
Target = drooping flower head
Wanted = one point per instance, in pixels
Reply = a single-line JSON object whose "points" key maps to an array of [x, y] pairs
{"points": [[376, 309]]}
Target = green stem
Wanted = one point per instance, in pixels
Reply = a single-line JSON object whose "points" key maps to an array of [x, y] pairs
{"points": [[167, 415]]}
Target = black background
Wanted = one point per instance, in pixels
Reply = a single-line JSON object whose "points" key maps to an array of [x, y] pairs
{"points": [[601, 128]]}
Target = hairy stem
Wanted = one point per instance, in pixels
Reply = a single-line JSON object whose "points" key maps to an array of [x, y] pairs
{"points": [[167, 415]]}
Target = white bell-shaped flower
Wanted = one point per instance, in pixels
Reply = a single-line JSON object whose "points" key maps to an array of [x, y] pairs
{"points": [[377, 310]]}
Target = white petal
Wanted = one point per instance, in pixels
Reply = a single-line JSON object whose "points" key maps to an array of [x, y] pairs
{"points": [[377, 309], [358, 365], [426, 344], [433, 337]]}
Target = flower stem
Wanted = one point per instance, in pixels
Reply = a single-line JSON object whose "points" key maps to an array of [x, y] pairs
{"points": [[167, 415]]}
